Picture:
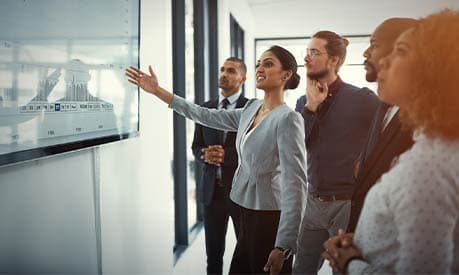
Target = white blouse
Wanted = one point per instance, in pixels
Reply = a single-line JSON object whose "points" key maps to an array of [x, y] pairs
{"points": [[409, 222]]}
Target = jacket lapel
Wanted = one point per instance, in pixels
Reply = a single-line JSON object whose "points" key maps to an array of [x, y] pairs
{"points": [[375, 133], [385, 137], [241, 101], [251, 113], [214, 105]]}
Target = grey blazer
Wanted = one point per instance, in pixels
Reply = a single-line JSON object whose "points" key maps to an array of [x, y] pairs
{"points": [[272, 161]]}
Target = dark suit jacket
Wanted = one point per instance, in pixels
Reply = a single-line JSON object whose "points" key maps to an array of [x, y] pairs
{"points": [[203, 137], [392, 142]]}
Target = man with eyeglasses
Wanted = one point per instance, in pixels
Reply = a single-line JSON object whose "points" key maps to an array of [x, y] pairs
{"points": [[337, 119]]}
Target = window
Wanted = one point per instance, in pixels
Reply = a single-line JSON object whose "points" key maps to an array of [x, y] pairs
{"points": [[192, 58], [237, 41], [190, 95]]}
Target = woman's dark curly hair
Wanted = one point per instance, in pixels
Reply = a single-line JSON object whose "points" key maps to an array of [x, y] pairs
{"points": [[434, 96]]}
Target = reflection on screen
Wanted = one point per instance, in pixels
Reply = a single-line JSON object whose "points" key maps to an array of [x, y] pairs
{"points": [[62, 71]]}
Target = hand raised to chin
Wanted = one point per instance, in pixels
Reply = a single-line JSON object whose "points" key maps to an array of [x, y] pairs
{"points": [[316, 93]]}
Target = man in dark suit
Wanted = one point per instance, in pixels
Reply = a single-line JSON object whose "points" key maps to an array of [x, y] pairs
{"points": [[216, 149], [387, 139]]}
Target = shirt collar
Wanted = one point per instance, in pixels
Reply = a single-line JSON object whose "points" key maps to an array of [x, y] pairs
{"points": [[335, 86], [232, 99], [394, 108]]}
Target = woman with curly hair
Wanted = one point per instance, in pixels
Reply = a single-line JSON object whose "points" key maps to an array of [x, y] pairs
{"points": [[410, 220]]}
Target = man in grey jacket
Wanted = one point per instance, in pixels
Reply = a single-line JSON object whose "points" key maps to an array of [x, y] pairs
{"points": [[337, 118]]}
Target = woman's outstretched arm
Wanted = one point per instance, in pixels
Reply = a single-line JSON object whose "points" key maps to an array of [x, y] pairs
{"points": [[148, 83], [226, 120]]}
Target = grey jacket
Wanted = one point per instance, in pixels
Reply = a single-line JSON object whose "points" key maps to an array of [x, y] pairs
{"points": [[272, 163]]}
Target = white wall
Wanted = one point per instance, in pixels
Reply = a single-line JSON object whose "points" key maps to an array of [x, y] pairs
{"points": [[243, 15], [47, 220], [303, 18], [137, 186], [47, 216]]}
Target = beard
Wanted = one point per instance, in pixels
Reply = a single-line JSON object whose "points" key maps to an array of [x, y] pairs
{"points": [[319, 74], [371, 74]]}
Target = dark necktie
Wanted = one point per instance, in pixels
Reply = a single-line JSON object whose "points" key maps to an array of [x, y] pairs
{"points": [[218, 176], [225, 103]]}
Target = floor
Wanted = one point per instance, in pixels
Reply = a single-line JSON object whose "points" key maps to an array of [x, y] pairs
{"points": [[193, 260]]}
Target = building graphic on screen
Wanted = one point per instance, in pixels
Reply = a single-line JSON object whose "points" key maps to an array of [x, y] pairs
{"points": [[88, 113], [62, 82]]}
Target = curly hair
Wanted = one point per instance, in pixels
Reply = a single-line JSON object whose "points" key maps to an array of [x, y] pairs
{"points": [[434, 97]]}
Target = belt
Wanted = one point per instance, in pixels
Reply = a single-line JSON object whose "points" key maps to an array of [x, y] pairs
{"points": [[341, 197]]}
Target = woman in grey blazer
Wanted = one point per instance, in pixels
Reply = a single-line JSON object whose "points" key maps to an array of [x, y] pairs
{"points": [[270, 182]]}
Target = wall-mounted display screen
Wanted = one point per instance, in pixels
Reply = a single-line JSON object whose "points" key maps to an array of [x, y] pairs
{"points": [[62, 84]]}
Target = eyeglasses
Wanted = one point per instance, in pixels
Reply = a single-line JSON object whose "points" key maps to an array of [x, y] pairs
{"points": [[314, 52]]}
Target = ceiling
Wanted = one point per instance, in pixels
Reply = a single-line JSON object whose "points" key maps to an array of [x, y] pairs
{"points": [[262, 2], [284, 18]]}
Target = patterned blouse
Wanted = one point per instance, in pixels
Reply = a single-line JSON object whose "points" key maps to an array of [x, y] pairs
{"points": [[409, 223]]}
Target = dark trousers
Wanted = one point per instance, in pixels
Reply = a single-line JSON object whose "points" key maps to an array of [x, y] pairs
{"points": [[216, 217], [256, 241]]}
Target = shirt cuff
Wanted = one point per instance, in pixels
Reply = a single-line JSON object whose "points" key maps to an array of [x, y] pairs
{"points": [[177, 102], [356, 266]]}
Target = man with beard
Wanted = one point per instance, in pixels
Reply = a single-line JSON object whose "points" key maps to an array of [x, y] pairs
{"points": [[216, 150], [337, 118], [387, 139]]}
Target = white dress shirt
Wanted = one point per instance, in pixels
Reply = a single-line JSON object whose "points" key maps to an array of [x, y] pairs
{"points": [[232, 100], [390, 113]]}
